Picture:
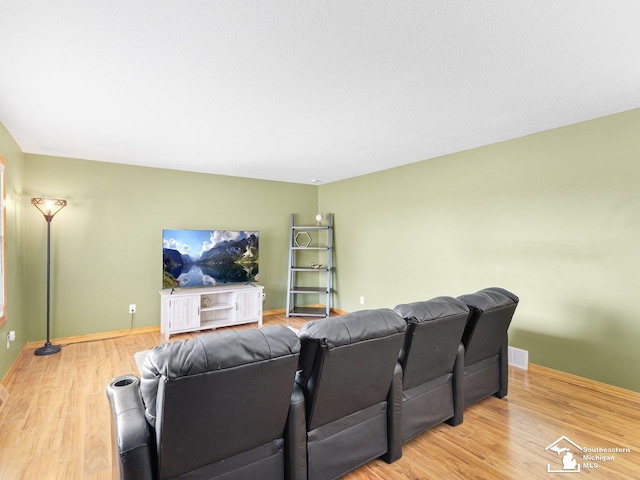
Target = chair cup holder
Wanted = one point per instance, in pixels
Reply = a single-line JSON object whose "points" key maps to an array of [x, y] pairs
{"points": [[124, 381]]}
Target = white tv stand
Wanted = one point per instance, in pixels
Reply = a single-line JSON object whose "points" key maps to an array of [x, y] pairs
{"points": [[195, 309]]}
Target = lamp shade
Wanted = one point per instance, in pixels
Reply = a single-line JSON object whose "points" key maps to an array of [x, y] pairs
{"points": [[49, 206]]}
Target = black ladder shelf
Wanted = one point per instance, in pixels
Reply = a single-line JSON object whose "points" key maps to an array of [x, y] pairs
{"points": [[301, 240]]}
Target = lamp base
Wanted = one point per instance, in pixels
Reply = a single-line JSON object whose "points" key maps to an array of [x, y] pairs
{"points": [[47, 349]]}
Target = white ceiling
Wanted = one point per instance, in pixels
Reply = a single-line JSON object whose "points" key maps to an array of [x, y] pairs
{"points": [[300, 90]]}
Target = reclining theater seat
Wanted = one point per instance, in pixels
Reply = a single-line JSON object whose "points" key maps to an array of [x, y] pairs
{"points": [[347, 365], [486, 362], [214, 405], [432, 360]]}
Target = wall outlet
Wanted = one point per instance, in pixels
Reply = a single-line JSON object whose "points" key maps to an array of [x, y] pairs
{"points": [[264, 296], [11, 336], [132, 308], [361, 300]]}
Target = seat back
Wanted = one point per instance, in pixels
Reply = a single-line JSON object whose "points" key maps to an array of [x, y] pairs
{"points": [[434, 332], [218, 395], [347, 363], [491, 312]]}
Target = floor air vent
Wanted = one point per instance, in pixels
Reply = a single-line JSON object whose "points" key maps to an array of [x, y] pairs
{"points": [[519, 358]]}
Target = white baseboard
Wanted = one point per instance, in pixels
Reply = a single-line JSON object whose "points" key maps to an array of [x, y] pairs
{"points": [[4, 396], [519, 358]]}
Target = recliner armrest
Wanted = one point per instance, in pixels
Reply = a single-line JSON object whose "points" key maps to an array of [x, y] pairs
{"points": [[458, 388], [131, 436], [394, 417], [295, 437], [503, 365]]}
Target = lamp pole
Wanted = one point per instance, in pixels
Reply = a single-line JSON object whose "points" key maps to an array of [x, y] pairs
{"points": [[48, 349]]}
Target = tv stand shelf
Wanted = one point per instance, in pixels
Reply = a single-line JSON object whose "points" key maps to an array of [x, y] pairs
{"points": [[196, 309], [222, 306]]}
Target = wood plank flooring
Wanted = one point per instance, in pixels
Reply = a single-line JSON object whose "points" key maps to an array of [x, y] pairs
{"points": [[55, 424]]}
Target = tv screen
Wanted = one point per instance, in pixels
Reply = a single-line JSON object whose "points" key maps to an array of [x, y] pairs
{"points": [[204, 258]]}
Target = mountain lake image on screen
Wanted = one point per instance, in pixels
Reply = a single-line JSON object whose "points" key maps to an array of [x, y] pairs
{"points": [[206, 258]]}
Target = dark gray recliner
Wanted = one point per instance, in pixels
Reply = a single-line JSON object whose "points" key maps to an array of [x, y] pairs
{"points": [[349, 393], [208, 407], [486, 361], [432, 361]]}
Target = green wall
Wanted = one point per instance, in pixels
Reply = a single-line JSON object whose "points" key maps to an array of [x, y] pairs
{"points": [[106, 244], [553, 217], [16, 319]]}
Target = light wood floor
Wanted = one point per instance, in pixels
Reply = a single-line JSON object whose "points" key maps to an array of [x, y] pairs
{"points": [[56, 422]]}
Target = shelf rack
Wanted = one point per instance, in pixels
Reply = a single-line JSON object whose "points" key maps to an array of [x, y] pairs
{"points": [[297, 272]]}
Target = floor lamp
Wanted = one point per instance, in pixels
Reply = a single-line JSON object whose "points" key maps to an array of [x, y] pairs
{"points": [[49, 207]]}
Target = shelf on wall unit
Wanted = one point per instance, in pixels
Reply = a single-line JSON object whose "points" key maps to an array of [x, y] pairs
{"points": [[310, 227], [309, 269], [308, 312], [310, 248], [308, 290]]}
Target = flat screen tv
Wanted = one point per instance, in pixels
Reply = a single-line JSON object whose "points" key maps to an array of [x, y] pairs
{"points": [[205, 258]]}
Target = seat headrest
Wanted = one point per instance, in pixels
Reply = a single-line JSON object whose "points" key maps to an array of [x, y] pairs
{"points": [[489, 299], [219, 350], [436, 308], [353, 327]]}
